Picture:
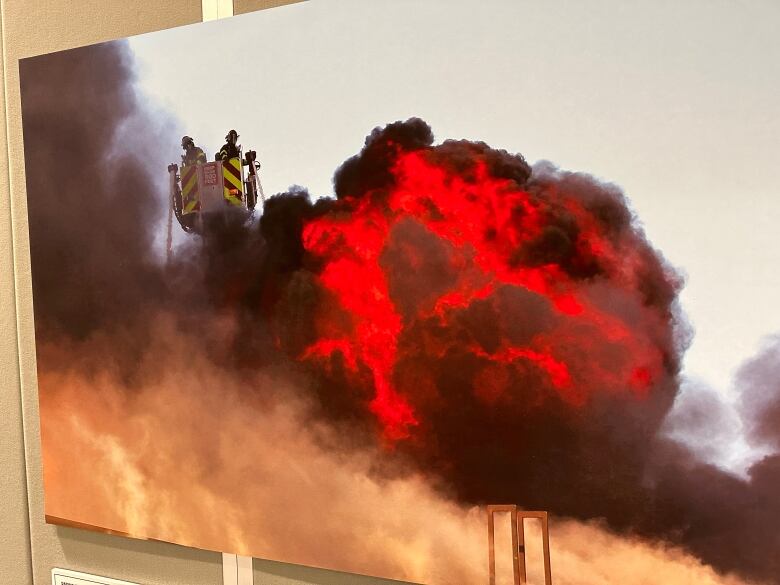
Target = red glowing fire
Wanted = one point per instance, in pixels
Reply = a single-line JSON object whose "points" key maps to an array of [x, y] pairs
{"points": [[485, 223]]}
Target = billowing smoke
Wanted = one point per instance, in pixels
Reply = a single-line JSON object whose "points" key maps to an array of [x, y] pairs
{"points": [[92, 215], [455, 325], [759, 380]]}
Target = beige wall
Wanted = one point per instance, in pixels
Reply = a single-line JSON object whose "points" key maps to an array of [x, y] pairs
{"points": [[14, 536], [244, 6], [29, 548]]}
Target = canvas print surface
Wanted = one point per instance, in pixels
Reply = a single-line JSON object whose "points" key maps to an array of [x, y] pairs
{"points": [[321, 284]]}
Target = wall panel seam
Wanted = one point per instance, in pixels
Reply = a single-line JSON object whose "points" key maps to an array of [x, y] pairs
{"points": [[15, 305]]}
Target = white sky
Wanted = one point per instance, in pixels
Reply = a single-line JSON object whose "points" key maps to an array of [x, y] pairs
{"points": [[675, 102]]}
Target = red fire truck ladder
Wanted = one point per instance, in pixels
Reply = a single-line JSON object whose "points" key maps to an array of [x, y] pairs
{"points": [[517, 518]]}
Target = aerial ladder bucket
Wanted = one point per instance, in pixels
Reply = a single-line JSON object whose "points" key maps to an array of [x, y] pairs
{"points": [[517, 518], [200, 190]]}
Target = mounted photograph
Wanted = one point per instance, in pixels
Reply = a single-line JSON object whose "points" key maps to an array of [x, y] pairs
{"points": [[436, 292]]}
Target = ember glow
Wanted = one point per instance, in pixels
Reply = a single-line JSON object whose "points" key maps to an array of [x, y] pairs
{"points": [[451, 287], [487, 228]]}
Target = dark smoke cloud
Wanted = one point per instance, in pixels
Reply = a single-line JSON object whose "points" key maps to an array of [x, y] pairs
{"points": [[369, 169], [96, 272], [759, 382], [725, 520], [703, 421], [91, 222], [718, 516]]}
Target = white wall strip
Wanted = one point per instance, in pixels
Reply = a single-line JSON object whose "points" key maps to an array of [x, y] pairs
{"points": [[214, 9], [245, 575], [224, 8], [229, 569], [209, 10]]}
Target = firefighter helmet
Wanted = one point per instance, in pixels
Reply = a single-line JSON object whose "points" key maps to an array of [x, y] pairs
{"points": [[232, 137], [187, 142]]}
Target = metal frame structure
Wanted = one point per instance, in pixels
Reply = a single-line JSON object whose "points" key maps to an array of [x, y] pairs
{"points": [[211, 188], [517, 518]]}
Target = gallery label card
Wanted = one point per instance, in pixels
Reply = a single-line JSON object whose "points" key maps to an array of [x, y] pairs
{"points": [[66, 577]]}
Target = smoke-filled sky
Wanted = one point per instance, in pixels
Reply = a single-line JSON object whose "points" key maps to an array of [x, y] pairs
{"points": [[459, 323], [674, 102]]}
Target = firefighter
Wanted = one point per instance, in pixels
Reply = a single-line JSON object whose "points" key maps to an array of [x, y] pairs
{"points": [[230, 150], [192, 154]]}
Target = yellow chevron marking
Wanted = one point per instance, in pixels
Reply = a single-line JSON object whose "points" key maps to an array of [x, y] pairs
{"points": [[191, 183], [235, 181]]}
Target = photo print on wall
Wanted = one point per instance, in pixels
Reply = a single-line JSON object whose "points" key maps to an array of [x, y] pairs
{"points": [[308, 287]]}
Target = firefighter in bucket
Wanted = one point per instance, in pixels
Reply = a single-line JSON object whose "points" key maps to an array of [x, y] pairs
{"points": [[230, 155], [192, 154], [230, 149], [205, 194], [185, 200]]}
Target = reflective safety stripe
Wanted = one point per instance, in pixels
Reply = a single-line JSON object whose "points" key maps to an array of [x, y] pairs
{"points": [[233, 190], [190, 202]]}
